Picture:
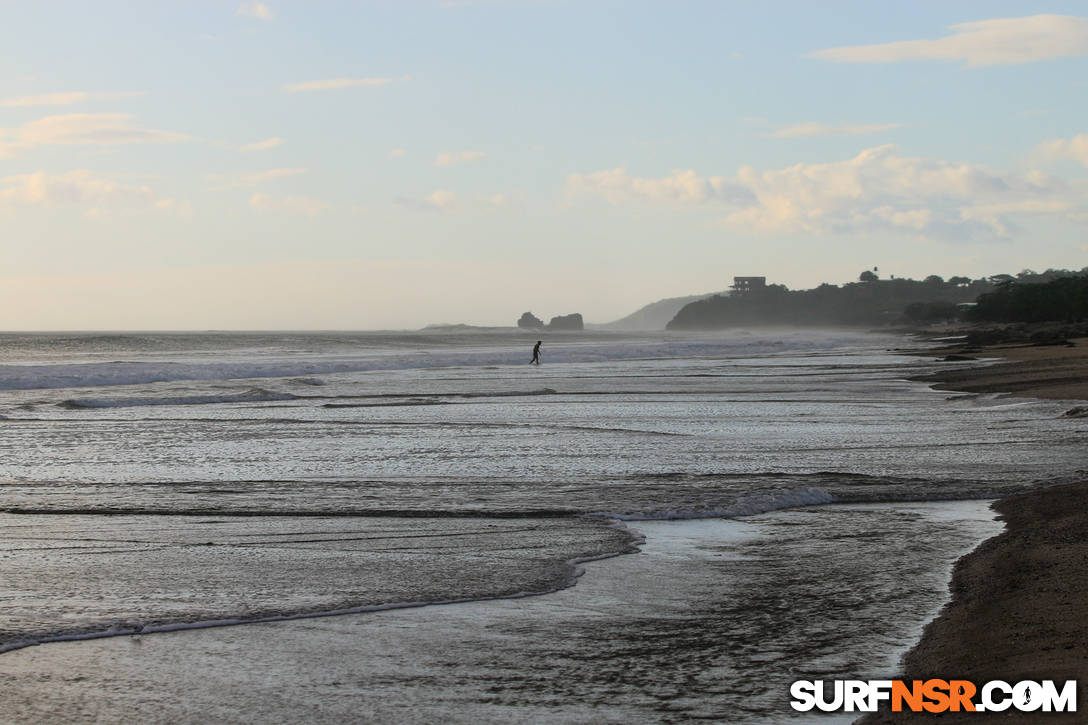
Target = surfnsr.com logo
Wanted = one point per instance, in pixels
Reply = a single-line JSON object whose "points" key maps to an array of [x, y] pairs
{"points": [[933, 696]]}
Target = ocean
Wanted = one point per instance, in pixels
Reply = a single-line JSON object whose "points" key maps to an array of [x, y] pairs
{"points": [[646, 527]]}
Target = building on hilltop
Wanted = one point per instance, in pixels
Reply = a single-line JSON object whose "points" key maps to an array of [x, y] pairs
{"points": [[746, 285]]}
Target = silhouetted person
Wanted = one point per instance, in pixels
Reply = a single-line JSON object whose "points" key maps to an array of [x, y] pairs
{"points": [[536, 353]]}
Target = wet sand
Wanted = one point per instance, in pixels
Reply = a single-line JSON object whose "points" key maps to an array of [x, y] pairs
{"points": [[1018, 610], [1055, 372]]}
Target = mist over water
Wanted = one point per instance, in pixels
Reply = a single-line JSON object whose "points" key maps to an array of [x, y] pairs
{"points": [[157, 480]]}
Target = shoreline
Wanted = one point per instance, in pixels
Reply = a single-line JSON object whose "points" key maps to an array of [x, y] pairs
{"points": [[226, 646], [1018, 600], [1017, 608], [1053, 369]]}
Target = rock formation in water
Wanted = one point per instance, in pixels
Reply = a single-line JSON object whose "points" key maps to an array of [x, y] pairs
{"points": [[567, 322], [530, 321]]}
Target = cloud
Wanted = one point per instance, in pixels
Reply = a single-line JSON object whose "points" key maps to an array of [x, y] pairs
{"points": [[682, 187], [444, 200], [458, 157], [81, 187], [1075, 148], [333, 84], [183, 208], [808, 130], [997, 216], [440, 200], [74, 187], [66, 99], [257, 10], [251, 179], [105, 129], [302, 205], [268, 143], [999, 41], [396, 153], [878, 190]]}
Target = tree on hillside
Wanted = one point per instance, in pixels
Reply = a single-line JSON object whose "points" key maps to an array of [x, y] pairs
{"points": [[870, 302], [1062, 299], [867, 276], [932, 311]]}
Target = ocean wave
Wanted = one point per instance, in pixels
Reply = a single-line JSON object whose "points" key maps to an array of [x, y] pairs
{"points": [[507, 393], [499, 353], [426, 398], [253, 395], [389, 404], [745, 506], [574, 570]]}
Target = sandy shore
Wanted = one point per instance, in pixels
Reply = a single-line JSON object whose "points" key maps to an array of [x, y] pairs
{"points": [[1018, 610], [1020, 600], [1036, 371]]}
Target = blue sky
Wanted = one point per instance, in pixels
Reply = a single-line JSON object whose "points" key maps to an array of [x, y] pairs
{"points": [[393, 164]]}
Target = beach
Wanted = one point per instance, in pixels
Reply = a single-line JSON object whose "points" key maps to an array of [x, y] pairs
{"points": [[661, 528], [1019, 600], [1018, 608], [1054, 370], [533, 362]]}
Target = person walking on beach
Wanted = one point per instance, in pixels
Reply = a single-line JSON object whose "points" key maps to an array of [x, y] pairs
{"points": [[536, 353]]}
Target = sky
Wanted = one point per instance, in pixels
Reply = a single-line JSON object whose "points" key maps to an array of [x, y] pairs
{"points": [[394, 164]]}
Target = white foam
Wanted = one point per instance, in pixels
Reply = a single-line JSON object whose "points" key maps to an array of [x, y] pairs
{"points": [[302, 368]]}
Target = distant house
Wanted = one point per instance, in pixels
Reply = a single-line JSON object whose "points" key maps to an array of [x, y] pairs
{"points": [[747, 285]]}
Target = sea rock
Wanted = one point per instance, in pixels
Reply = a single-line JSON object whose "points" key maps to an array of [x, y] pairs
{"points": [[567, 322], [531, 322]]}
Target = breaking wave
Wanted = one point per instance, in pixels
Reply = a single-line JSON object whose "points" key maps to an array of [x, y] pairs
{"points": [[302, 368]]}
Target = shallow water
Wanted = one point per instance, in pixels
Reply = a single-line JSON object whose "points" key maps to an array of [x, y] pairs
{"points": [[711, 621], [158, 480]]}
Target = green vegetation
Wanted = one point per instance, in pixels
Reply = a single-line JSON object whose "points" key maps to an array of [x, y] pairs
{"points": [[1028, 296], [1062, 299], [931, 311]]}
